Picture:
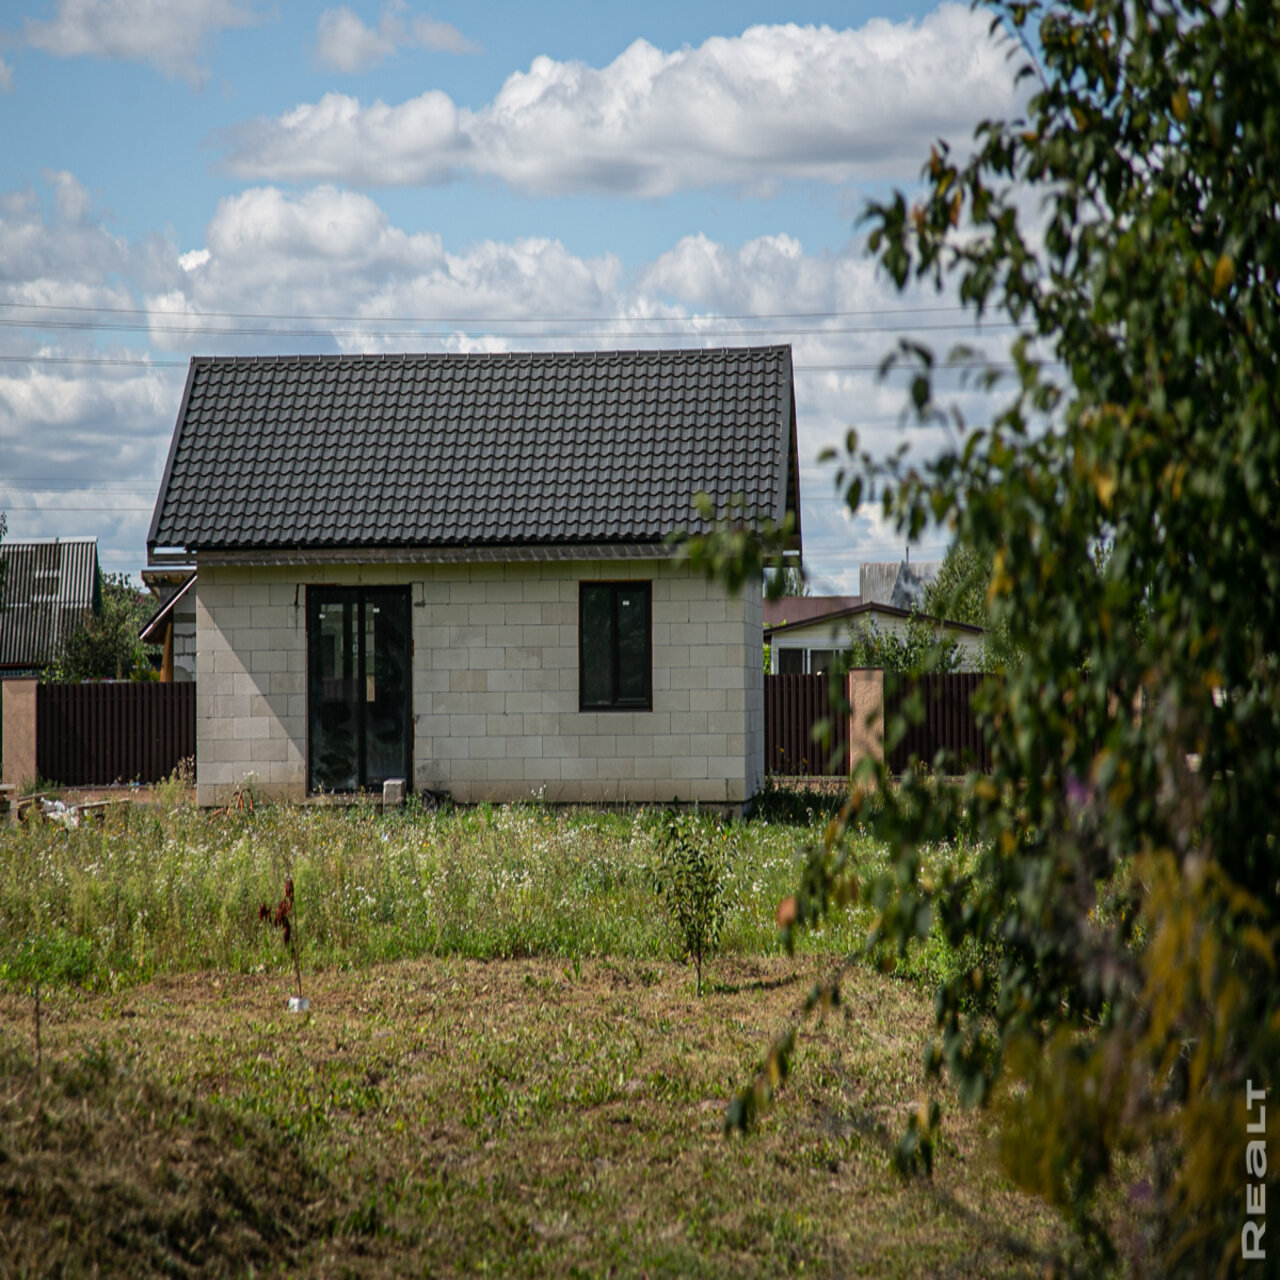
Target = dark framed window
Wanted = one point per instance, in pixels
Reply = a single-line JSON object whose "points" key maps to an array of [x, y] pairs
{"points": [[791, 662], [615, 648]]}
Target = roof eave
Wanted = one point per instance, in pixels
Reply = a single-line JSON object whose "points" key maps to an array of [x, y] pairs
{"points": [[487, 553]]}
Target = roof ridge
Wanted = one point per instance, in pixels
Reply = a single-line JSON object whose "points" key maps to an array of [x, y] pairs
{"points": [[390, 357]]}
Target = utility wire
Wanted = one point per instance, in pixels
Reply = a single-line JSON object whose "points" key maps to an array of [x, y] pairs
{"points": [[204, 331], [298, 318], [865, 367]]}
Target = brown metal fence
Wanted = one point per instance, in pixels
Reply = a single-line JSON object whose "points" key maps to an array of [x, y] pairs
{"points": [[948, 726], [90, 735], [793, 705]]}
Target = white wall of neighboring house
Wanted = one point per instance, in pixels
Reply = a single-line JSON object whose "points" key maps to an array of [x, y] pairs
{"points": [[184, 639], [495, 684]]}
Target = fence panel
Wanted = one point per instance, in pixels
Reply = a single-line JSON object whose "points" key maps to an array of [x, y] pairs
{"points": [[90, 735], [792, 706], [949, 724]]}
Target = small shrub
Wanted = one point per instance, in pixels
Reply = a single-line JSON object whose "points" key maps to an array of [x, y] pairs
{"points": [[789, 801], [175, 790], [691, 877]]}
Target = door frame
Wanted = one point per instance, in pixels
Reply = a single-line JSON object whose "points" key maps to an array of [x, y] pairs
{"points": [[361, 596]]}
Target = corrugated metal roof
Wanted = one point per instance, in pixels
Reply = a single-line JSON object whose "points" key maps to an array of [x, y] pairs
{"points": [[49, 586], [791, 609], [475, 450], [896, 582]]}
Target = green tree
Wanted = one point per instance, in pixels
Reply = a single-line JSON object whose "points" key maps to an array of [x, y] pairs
{"points": [[919, 648], [106, 646], [1127, 872], [960, 593], [691, 877], [4, 563]]}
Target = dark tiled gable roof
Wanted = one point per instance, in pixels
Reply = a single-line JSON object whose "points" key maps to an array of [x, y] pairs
{"points": [[452, 450]]}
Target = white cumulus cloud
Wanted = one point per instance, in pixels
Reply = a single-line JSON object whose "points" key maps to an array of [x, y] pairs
{"points": [[326, 269], [168, 34], [345, 43], [775, 103]]}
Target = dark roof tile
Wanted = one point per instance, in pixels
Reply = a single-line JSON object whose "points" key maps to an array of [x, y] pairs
{"points": [[444, 450]]}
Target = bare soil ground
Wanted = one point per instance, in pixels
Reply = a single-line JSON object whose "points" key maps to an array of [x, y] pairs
{"points": [[453, 1118]]}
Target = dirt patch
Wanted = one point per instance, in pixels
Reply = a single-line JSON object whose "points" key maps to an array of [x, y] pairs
{"points": [[455, 1117], [102, 1169]]}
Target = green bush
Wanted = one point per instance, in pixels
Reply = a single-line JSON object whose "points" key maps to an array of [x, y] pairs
{"points": [[690, 876]]}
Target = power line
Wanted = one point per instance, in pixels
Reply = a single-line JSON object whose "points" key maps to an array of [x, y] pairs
{"points": [[41, 483], [688, 329], [95, 361], [295, 317], [862, 367]]}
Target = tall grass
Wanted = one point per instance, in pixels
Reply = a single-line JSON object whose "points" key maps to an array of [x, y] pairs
{"points": [[171, 889]]}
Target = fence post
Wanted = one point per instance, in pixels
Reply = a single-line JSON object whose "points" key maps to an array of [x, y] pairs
{"points": [[865, 695], [18, 706]]}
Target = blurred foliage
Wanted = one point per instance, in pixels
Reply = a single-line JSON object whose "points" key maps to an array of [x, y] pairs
{"points": [[106, 646], [741, 546], [789, 580], [1127, 880], [920, 647]]}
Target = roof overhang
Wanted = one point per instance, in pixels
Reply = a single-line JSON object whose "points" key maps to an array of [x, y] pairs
{"points": [[153, 630], [555, 552]]}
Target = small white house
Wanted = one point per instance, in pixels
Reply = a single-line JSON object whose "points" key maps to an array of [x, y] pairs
{"points": [[455, 570], [805, 634]]}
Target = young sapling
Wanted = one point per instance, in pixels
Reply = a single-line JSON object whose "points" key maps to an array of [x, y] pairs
{"points": [[282, 918]]}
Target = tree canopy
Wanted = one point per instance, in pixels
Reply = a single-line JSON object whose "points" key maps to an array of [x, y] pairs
{"points": [[107, 646], [919, 647], [1125, 894]]}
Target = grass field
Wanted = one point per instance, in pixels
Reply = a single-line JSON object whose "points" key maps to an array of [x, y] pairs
{"points": [[505, 1069]]}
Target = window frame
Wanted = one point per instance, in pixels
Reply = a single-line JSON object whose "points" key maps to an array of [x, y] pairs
{"points": [[616, 589]]}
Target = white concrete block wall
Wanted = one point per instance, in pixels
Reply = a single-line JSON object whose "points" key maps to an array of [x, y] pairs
{"points": [[184, 639], [251, 686], [495, 684]]}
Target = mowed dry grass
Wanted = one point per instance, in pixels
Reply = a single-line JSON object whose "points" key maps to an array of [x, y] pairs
{"points": [[524, 1117]]}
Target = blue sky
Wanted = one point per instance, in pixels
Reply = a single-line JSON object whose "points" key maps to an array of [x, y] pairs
{"points": [[188, 177]]}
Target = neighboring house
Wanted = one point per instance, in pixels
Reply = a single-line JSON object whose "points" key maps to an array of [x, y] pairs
{"points": [[173, 625], [51, 585], [805, 633], [454, 570]]}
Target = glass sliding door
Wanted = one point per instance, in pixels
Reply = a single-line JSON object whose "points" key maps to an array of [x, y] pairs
{"points": [[359, 704]]}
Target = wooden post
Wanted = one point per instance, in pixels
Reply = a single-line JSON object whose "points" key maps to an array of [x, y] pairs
{"points": [[18, 706], [866, 715], [166, 663]]}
